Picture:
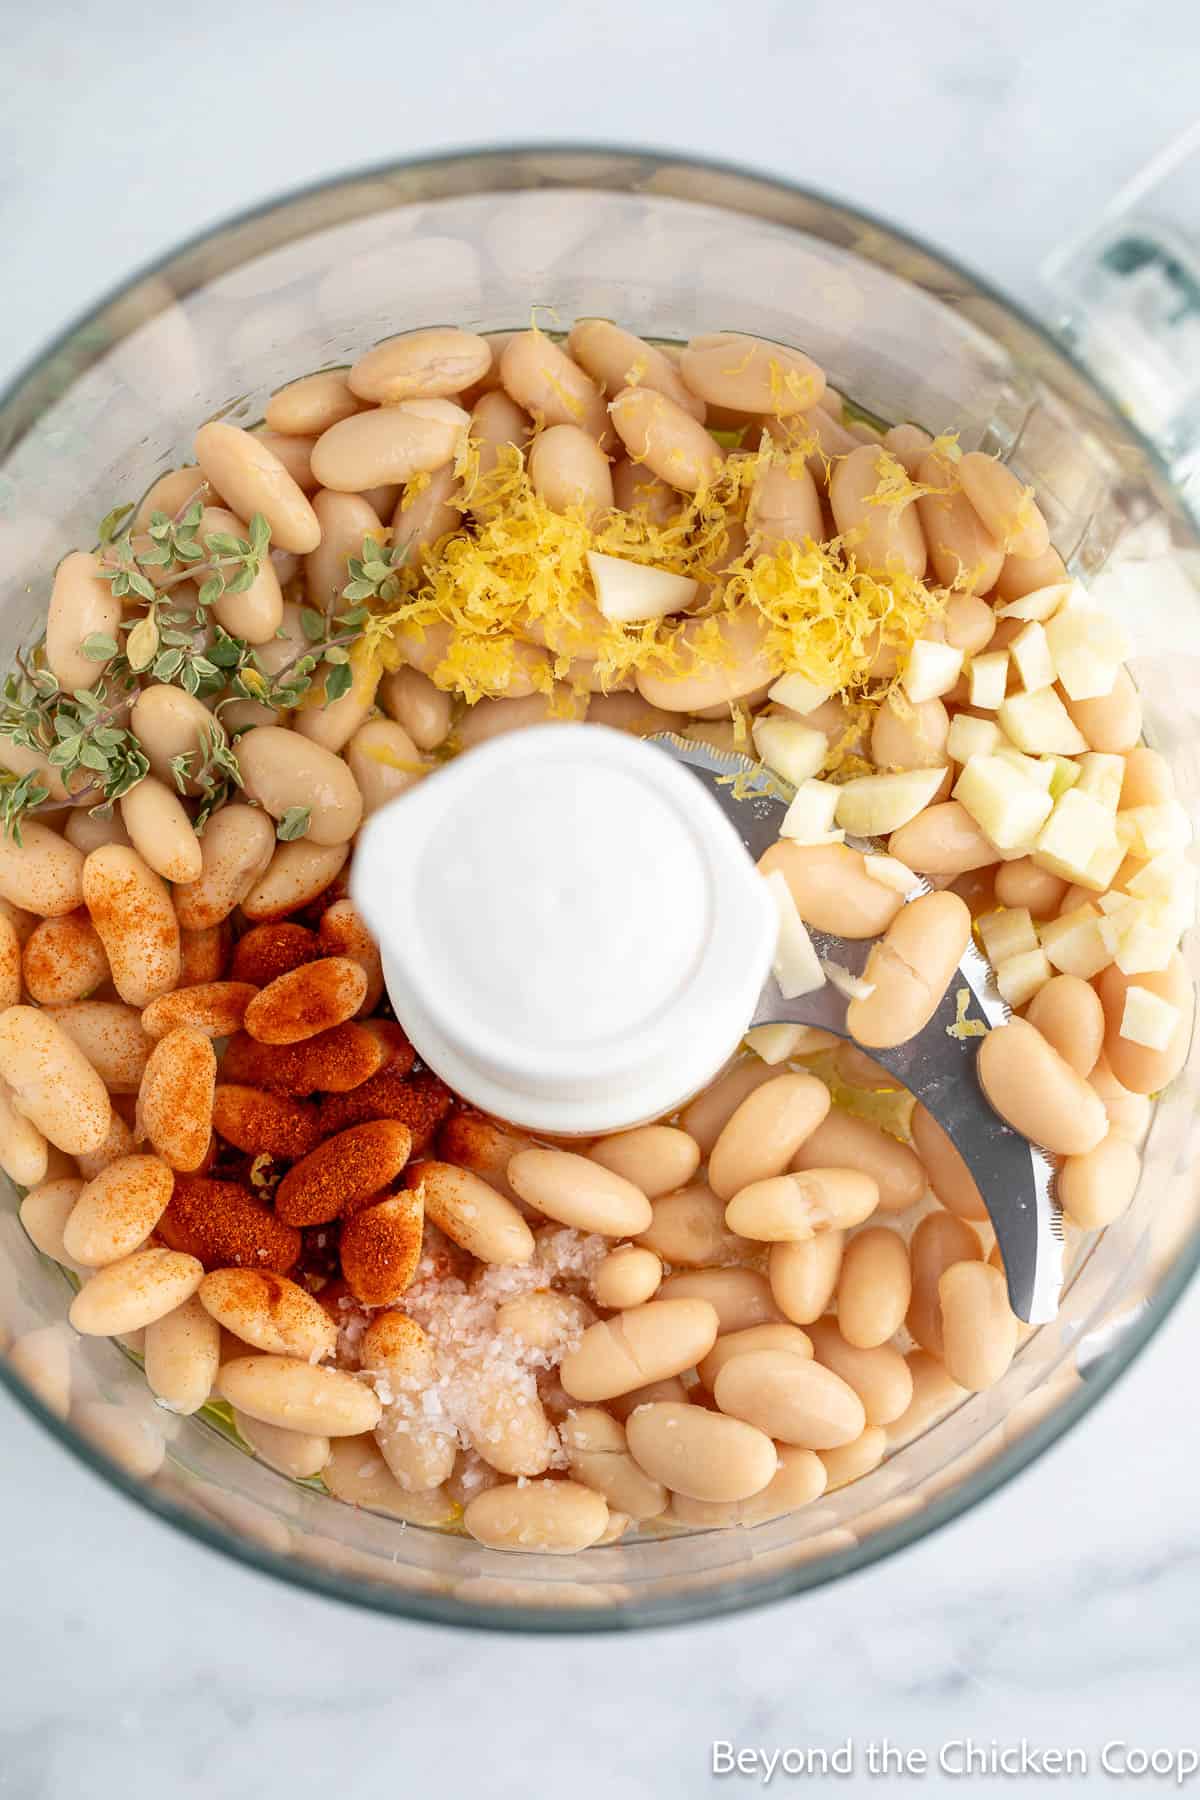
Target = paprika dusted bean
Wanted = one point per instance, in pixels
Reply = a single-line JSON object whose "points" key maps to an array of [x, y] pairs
{"points": [[216, 1008], [340, 1174], [268, 1311], [111, 1037], [175, 1100], [380, 1247], [63, 961], [130, 906], [306, 1001], [116, 1211]]}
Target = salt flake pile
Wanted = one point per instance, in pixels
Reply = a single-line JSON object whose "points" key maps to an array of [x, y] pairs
{"points": [[485, 1376]]}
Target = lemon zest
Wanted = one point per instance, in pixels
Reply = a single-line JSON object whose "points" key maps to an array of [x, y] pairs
{"points": [[509, 593]]}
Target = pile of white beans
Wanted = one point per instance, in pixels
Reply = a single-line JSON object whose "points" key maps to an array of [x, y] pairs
{"points": [[711, 1320]]}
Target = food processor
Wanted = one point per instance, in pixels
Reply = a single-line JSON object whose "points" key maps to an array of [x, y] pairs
{"points": [[1098, 409]]}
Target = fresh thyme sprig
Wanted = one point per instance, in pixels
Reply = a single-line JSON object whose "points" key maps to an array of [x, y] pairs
{"points": [[172, 641]]}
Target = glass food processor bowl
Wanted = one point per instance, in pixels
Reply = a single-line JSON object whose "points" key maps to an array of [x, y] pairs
{"points": [[669, 247]]}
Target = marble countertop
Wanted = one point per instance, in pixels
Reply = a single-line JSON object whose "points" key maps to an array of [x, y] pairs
{"points": [[1064, 1610]]}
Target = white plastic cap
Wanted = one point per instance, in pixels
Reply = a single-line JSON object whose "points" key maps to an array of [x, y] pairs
{"points": [[573, 935]]}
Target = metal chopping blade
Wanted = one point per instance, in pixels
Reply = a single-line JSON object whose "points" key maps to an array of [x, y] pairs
{"points": [[939, 1069]]}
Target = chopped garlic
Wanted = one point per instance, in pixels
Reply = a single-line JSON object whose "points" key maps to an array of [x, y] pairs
{"points": [[970, 737], [1148, 831], [892, 873], [798, 694], [809, 819], [1077, 831], [1030, 651], [851, 985], [1041, 724], [1148, 1019], [931, 670], [876, 805], [1007, 807], [1041, 604], [778, 1043], [1101, 776], [1019, 978], [796, 965], [1007, 932], [1074, 943], [989, 679], [1089, 650], [791, 749], [628, 591]]}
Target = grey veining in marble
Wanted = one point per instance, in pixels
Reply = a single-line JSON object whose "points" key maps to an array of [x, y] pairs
{"points": [[135, 1666]]}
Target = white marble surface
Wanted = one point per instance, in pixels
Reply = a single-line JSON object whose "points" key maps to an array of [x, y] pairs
{"points": [[1064, 1610]]}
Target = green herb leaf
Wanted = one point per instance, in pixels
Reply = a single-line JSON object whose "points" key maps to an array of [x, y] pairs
{"points": [[293, 824], [110, 525], [312, 623], [339, 681]]}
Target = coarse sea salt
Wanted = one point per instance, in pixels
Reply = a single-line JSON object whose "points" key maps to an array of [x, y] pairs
{"points": [[480, 1370]]}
